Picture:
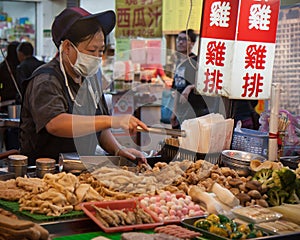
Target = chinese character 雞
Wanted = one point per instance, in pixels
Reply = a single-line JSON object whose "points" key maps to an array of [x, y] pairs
{"points": [[215, 53], [220, 12], [259, 17], [255, 57]]}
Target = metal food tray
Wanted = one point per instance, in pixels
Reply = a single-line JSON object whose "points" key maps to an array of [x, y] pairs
{"points": [[189, 223], [72, 162], [6, 175], [290, 161]]}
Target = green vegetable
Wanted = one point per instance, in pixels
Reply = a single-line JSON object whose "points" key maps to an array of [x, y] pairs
{"points": [[223, 219], [225, 227], [244, 228], [282, 185], [218, 230], [287, 177], [262, 175], [233, 226], [228, 227], [213, 218], [293, 198], [236, 235], [251, 235], [273, 181], [259, 233], [251, 226], [203, 224], [277, 196]]}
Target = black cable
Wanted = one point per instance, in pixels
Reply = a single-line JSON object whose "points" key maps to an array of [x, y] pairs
{"points": [[186, 33]]}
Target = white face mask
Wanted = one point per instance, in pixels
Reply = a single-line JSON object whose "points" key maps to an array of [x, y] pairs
{"points": [[86, 65]]}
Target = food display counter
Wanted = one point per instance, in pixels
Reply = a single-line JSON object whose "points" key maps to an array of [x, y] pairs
{"points": [[172, 193]]}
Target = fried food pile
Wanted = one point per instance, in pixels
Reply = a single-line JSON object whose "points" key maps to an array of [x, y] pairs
{"points": [[116, 217], [53, 195]]}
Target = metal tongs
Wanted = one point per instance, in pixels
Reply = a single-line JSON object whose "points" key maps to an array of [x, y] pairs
{"points": [[164, 131]]}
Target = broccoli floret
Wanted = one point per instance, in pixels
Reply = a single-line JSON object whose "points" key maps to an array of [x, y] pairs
{"points": [[282, 185], [273, 181], [293, 198], [276, 196], [262, 175], [287, 177]]}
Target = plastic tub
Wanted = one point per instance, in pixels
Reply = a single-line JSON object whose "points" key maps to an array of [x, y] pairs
{"points": [[124, 205]]}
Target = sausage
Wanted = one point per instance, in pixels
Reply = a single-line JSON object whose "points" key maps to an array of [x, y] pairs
{"points": [[177, 231]]}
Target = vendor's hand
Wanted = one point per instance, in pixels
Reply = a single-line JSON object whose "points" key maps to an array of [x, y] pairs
{"points": [[132, 153], [127, 122], [185, 94]]}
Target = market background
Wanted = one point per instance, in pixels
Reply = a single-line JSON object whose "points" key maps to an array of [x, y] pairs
{"points": [[21, 20]]}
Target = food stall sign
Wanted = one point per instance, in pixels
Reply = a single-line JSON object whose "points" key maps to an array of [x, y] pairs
{"points": [[237, 48], [139, 18]]}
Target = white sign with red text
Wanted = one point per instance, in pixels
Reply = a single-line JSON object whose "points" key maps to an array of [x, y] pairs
{"points": [[237, 48]]}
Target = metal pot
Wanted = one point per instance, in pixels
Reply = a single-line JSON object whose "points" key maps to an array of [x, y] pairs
{"points": [[239, 160], [14, 111]]}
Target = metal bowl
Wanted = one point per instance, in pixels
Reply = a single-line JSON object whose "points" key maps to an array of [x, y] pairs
{"points": [[239, 160]]}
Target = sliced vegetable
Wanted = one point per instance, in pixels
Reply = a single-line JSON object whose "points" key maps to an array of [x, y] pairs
{"points": [[213, 218], [223, 219], [236, 235], [203, 224], [218, 230], [223, 226]]}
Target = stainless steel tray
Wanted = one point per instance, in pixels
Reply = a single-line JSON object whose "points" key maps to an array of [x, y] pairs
{"points": [[6, 175], [189, 223], [72, 162]]}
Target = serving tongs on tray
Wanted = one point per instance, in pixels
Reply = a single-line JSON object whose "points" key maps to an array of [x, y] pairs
{"points": [[164, 131]]}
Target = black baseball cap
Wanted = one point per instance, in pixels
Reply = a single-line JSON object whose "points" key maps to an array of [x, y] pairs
{"points": [[63, 22]]}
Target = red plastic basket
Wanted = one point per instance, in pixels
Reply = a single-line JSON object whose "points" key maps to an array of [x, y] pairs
{"points": [[128, 205]]}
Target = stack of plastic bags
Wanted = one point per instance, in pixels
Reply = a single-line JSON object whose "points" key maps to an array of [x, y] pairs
{"points": [[207, 134]]}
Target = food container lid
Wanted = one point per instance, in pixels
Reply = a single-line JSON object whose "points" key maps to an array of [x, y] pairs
{"points": [[17, 160], [45, 163], [256, 214]]}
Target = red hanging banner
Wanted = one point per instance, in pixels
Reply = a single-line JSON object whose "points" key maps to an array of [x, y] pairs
{"points": [[237, 48]]}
